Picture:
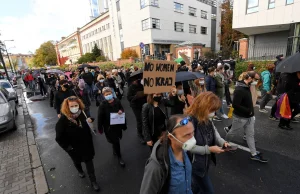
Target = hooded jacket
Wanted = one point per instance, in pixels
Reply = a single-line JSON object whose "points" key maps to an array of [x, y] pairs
{"points": [[290, 84], [266, 78], [242, 101], [156, 175]]}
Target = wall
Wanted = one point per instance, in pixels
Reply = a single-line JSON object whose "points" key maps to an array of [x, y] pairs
{"points": [[268, 45], [281, 14]]}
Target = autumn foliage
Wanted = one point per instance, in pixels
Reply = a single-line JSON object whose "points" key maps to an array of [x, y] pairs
{"points": [[127, 53], [228, 35]]}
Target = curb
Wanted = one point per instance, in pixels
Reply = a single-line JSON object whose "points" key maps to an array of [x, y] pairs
{"points": [[41, 186]]}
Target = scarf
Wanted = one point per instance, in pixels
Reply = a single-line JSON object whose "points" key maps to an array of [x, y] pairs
{"points": [[74, 117]]}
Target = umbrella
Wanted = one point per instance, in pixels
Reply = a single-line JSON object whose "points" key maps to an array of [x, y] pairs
{"points": [[199, 75], [185, 76], [289, 64], [54, 71], [86, 65], [178, 60], [136, 73]]}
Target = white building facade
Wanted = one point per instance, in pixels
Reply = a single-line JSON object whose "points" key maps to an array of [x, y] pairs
{"points": [[272, 25], [161, 24]]}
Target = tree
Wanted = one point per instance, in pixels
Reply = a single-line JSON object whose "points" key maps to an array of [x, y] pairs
{"points": [[46, 54], [96, 51], [228, 35], [86, 58], [127, 53]]}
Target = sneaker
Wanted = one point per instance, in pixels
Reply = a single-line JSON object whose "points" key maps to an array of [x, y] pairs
{"points": [[224, 116], [258, 157], [294, 120], [285, 127], [217, 119], [226, 129], [263, 110], [273, 118]]}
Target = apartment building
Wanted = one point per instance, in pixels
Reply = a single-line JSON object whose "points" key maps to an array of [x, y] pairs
{"points": [[272, 25]]}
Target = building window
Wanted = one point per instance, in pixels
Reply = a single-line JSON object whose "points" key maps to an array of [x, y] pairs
{"points": [[192, 11], [155, 23], [145, 24], [178, 27], [271, 4], [120, 26], [214, 16], [107, 26], [203, 30], [122, 46], [178, 7], [154, 3], [118, 5], [252, 6], [143, 4], [203, 14], [288, 2], [192, 29]]}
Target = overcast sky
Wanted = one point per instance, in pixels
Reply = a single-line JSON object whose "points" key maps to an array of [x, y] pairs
{"points": [[31, 22]]}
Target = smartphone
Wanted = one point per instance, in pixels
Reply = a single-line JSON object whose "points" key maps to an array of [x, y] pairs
{"points": [[230, 148]]}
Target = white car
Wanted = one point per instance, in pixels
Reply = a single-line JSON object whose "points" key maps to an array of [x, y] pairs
{"points": [[12, 92]]}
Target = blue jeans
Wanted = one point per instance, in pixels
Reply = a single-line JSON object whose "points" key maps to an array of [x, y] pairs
{"points": [[202, 185], [221, 109]]}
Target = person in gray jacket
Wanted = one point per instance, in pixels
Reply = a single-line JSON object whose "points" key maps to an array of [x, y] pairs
{"points": [[169, 170]]}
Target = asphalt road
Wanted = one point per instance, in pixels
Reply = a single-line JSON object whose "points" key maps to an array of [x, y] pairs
{"points": [[234, 173]]}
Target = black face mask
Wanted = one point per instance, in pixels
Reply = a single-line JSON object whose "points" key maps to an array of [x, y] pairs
{"points": [[157, 98], [66, 86]]}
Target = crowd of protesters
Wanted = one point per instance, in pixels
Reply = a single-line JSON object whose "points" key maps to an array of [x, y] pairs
{"points": [[183, 142]]}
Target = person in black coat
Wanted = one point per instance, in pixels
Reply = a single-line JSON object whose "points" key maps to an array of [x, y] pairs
{"points": [[98, 90], [177, 99], [41, 83], [113, 133], [154, 115], [137, 98], [64, 92], [73, 134], [210, 82], [83, 94], [88, 78]]}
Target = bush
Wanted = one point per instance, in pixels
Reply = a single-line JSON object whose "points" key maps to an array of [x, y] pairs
{"points": [[241, 67], [127, 53], [101, 59]]}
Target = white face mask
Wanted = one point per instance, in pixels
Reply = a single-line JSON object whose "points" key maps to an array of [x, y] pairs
{"points": [[74, 109], [211, 115], [188, 145], [254, 83], [180, 92], [201, 82], [142, 81]]}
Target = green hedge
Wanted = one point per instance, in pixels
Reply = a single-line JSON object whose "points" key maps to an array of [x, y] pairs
{"points": [[241, 67]]}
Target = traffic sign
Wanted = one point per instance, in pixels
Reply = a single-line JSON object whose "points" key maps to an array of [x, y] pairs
{"points": [[142, 45]]}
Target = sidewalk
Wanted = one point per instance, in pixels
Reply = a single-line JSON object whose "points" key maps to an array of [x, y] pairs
{"points": [[21, 170]]}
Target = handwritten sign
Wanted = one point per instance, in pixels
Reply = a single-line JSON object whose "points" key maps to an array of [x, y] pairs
{"points": [[185, 58], [159, 76], [116, 119]]}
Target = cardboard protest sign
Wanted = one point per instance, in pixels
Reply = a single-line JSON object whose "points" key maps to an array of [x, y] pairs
{"points": [[185, 58], [159, 76]]}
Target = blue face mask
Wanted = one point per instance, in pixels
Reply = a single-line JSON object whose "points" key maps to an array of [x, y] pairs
{"points": [[109, 97]]}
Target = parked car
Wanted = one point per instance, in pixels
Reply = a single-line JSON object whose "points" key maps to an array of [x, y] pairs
{"points": [[12, 92], [8, 111]]}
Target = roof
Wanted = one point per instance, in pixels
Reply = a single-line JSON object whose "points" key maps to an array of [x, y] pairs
{"points": [[190, 43]]}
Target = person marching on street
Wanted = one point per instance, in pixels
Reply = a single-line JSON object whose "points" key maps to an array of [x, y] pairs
{"points": [[154, 116], [112, 132], [41, 82], [220, 88], [83, 94], [64, 92], [137, 98], [266, 93], [98, 90], [169, 170], [243, 116], [73, 134], [88, 78], [208, 140], [177, 99]]}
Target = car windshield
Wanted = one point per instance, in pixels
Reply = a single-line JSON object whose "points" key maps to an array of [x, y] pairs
{"points": [[5, 85], [2, 99]]}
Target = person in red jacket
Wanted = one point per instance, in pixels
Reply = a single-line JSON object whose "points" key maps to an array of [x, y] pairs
{"points": [[29, 78]]}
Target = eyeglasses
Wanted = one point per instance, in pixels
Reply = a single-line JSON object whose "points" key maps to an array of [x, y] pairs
{"points": [[183, 122], [72, 98]]}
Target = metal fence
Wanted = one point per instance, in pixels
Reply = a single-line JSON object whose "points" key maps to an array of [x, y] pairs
{"points": [[268, 51]]}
